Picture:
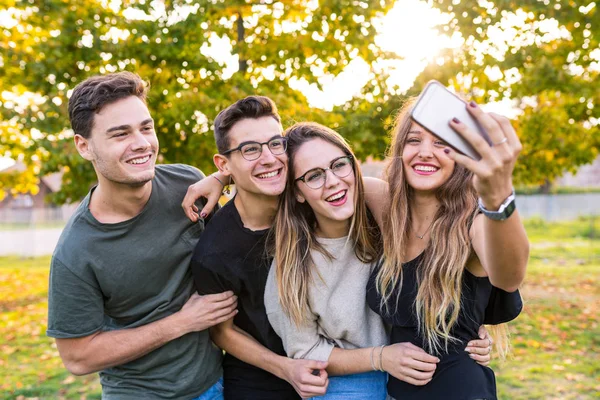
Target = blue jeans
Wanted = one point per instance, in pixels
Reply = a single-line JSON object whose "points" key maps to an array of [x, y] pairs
{"points": [[215, 392], [365, 386]]}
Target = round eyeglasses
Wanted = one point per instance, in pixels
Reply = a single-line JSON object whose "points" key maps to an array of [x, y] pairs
{"points": [[252, 150], [316, 177]]}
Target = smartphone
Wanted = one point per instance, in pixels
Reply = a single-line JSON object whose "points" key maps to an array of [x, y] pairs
{"points": [[434, 109]]}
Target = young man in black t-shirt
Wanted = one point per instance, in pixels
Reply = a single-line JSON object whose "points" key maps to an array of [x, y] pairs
{"points": [[231, 255]]}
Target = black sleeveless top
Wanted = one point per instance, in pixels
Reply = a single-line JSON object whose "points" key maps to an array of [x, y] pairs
{"points": [[457, 376]]}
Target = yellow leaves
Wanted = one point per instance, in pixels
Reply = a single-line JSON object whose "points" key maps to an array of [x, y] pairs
{"points": [[549, 155], [68, 380]]}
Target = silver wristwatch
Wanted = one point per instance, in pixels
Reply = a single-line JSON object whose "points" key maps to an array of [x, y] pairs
{"points": [[506, 208]]}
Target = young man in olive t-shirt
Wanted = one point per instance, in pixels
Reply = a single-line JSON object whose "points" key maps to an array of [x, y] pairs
{"points": [[120, 295]]}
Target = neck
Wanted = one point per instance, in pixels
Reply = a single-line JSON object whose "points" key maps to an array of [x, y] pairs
{"points": [[423, 208], [333, 229], [113, 202], [256, 211]]}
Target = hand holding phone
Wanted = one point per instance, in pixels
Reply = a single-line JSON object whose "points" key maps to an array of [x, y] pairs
{"points": [[435, 108]]}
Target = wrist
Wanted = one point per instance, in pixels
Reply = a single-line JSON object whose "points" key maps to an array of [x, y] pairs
{"points": [[281, 367], [381, 367], [174, 326], [219, 177], [500, 212], [492, 202]]}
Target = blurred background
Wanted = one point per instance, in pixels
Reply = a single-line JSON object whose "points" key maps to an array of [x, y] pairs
{"points": [[348, 64]]}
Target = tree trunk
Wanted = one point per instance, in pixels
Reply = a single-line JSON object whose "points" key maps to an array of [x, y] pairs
{"points": [[243, 64]]}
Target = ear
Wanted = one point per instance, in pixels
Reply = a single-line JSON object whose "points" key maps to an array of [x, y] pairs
{"points": [[300, 198], [222, 163], [83, 147]]}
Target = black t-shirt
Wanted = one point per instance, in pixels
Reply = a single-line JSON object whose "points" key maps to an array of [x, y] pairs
{"points": [[229, 256]]}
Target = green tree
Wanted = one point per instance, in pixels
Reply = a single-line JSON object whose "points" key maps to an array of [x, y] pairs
{"points": [[52, 45], [544, 55]]}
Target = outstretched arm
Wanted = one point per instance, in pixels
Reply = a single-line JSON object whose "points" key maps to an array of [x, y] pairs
{"points": [[501, 246]]}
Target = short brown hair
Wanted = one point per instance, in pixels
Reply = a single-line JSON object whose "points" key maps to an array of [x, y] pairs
{"points": [[252, 107], [93, 94]]}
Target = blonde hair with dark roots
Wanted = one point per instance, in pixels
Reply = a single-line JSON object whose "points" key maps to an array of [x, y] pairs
{"points": [[295, 225], [440, 273]]}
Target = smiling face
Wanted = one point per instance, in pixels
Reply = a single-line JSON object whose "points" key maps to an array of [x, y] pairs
{"points": [[123, 145], [267, 174], [332, 203], [426, 165]]}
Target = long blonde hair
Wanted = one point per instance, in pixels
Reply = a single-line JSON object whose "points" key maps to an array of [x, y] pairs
{"points": [[295, 225], [440, 272]]}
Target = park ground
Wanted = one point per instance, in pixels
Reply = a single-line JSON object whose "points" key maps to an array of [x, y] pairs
{"points": [[556, 340]]}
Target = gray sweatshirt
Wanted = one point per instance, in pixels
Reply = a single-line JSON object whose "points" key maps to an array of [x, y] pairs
{"points": [[339, 314]]}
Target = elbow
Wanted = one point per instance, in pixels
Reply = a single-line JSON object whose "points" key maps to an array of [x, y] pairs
{"points": [[77, 368], [510, 284]]}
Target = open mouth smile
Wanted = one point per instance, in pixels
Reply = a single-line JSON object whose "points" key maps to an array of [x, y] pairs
{"points": [[337, 199], [139, 160], [422, 169], [269, 175]]}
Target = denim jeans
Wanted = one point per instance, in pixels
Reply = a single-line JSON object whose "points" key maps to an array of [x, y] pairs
{"points": [[365, 386], [215, 392]]}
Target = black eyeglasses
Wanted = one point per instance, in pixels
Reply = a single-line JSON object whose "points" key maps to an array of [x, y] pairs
{"points": [[252, 150], [316, 177]]}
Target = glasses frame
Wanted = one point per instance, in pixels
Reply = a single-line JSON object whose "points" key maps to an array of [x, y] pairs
{"points": [[303, 177], [239, 148]]}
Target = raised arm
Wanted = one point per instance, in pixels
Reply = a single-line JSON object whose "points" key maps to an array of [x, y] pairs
{"points": [[298, 373], [501, 245], [106, 349]]}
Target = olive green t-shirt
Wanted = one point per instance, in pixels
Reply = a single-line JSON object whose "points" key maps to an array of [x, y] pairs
{"points": [[116, 276]]}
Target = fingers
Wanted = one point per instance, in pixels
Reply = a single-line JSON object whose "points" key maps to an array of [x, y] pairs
{"points": [[421, 366], [509, 132], [314, 379], [225, 317], [479, 349], [218, 296], [308, 391], [211, 203], [410, 351], [482, 333], [413, 381], [475, 139], [314, 364], [481, 359], [187, 204], [418, 375], [489, 124]]}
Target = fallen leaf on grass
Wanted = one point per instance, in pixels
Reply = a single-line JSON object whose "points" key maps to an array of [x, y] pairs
{"points": [[558, 367], [68, 380]]}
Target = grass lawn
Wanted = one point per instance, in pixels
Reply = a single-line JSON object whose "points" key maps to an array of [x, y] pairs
{"points": [[556, 340]]}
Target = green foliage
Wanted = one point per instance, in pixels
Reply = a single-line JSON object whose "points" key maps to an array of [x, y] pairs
{"points": [[558, 71], [55, 44]]}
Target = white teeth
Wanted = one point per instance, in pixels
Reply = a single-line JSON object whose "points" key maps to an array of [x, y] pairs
{"points": [[139, 160], [336, 196], [268, 175], [425, 168]]}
